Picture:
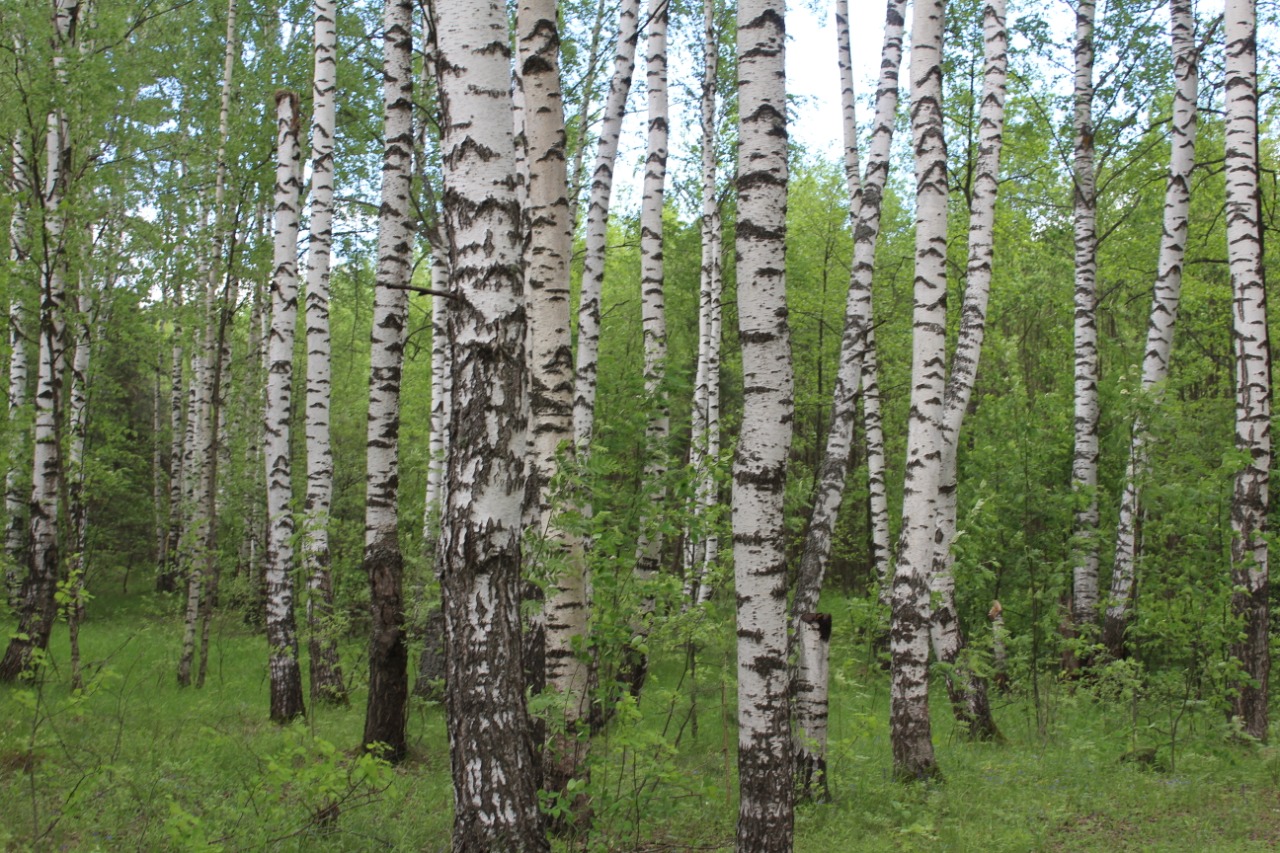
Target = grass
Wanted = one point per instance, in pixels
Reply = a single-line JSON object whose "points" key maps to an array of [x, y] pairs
{"points": [[135, 763]]}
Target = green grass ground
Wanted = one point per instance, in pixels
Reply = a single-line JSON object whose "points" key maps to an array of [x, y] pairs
{"points": [[135, 763]]}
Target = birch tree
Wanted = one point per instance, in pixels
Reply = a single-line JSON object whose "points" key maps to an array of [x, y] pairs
{"points": [[491, 747], [865, 197], [653, 315], [587, 356], [909, 730], [19, 371], [286, 676], [765, 780], [547, 224], [38, 604], [968, 689], [1250, 500], [326, 672], [1164, 312], [1084, 465], [384, 721]]}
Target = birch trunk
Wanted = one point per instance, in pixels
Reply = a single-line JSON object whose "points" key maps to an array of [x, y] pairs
{"points": [[170, 576], [909, 730], [548, 224], [765, 778], [384, 721], [38, 607], [1084, 466], [1164, 312], [441, 384], [1252, 369], [707, 373], [654, 320], [492, 751], [967, 689], [282, 639], [15, 502], [326, 670], [813, 644], [865, 197], [584, 400], [77, 509]]}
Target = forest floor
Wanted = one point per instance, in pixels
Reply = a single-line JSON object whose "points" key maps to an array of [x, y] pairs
{"points": [[135, 763]]}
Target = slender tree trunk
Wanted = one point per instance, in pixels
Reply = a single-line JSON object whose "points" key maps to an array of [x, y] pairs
{"points": [[765, 780], [441, 383], [813, 655], [384, 721], [326, 671], [865, 197], [1252, 370], [597, 227], [77, 508], [18, 448], [492, 751], [547, 224], [707, 374], [1164, 310], [968, 689], [909, 731], [282, 638], [38, 607], [1084, 466], [169, 578], [654, 319]]}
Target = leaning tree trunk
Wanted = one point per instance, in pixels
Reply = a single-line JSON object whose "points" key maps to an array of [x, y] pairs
{"points": [[1084, 465], [1252, 370], [653, 313], [766, 805], [1164, 310], [968, 689], [384, 721], [547, 225], [865, 197], [586, 366], [491, 747], [38, 605], [909, 730], [282, 637], [326, 670]]}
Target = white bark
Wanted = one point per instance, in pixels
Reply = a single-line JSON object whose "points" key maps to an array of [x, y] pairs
{"points": [[813, 661], [286, 679], [909, 631], [1164, 303], [1084, 466], [765, 813], [326, 678], [598, 224], [1251, 498], [969, 700], [15, 502], [490, 742], [441, 385]]}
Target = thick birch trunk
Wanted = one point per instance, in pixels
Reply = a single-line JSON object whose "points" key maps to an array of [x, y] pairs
{"points": [[1252, 369], [909, 730], [384, 721], [967, 689], [548, 223], [1084, 466], [37, 608], [1164, 310], [494, 767], [326, 670], [765, 779], [584, 400], [813, 660], [653, 314], [282, 639]]}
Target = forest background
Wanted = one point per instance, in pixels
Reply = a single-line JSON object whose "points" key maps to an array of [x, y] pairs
{"points": [[104, 748]]}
